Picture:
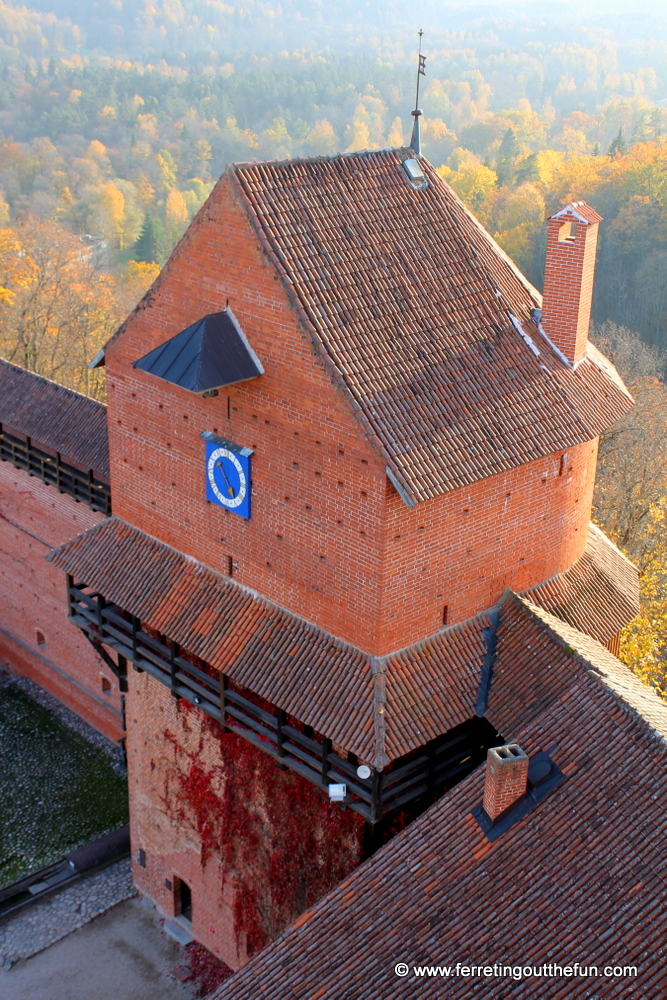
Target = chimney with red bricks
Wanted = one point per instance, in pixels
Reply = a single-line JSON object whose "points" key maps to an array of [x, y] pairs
{"points": [[506, 779], [568, 278]]}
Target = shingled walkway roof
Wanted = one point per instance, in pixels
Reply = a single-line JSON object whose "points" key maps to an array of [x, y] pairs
{"points": [[598, 595], [377, 707], [581, 878], [62, 420], [422, 319]]}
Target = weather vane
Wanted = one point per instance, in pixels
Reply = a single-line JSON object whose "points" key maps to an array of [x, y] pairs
{"points": [[415, 141]]}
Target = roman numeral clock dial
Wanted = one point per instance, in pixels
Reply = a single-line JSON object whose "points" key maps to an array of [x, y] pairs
{"points": [[228, 474]]}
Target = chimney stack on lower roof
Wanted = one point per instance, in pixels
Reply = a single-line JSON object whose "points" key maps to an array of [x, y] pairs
{"points": [[569, 270], [506, 779]]}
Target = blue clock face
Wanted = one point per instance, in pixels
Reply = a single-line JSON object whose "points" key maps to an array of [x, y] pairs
{"points": [[228, 477]]}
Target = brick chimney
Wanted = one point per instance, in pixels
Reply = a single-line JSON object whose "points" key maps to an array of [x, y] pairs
{"points": [[506, 779], [568, 278]]}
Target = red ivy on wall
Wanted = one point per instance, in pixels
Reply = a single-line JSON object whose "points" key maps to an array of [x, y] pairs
{"points": [[281, 843]]}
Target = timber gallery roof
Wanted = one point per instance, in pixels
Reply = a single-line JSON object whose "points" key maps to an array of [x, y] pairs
{"points": [[379, 708]]}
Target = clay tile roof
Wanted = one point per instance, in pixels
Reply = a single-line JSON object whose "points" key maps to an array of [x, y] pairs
{"points": [[582, 877], [58, 418], [579, 210], [378, 708], [539, 657], [422, 319], [598, 595]]}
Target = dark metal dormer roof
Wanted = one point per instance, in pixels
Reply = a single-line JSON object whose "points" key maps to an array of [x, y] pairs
{"points": [[211, 353]]}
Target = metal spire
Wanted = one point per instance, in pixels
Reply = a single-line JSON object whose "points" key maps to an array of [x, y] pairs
{"points": [[415, 141]]}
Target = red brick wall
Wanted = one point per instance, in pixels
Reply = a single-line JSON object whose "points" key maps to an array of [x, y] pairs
{"points": [[568, 287], [201, 817], [464, 549], [322, 540], [33, 519]]}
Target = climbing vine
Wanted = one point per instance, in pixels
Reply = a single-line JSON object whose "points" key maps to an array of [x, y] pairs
{"points": [[282, 845]]}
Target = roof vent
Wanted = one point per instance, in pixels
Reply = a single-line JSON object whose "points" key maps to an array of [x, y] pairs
{"points": [[414, 171]]}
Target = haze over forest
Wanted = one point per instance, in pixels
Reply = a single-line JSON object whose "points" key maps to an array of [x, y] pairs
{"points": [[117, 116]]}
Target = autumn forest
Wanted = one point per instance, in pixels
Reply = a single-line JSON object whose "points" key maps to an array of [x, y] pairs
{"points": [[117, 117]]}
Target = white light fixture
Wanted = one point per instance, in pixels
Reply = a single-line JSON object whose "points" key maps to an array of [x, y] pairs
{"points": [[363, 771], [337, 793]]}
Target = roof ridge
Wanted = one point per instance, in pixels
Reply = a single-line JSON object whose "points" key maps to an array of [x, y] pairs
{"points": [[610, 671]]}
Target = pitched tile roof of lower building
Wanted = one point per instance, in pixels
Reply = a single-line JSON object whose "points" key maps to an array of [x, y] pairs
{"points": [[378, 708], [423, 321], [598, 595], [581, 878], [62, 420]]}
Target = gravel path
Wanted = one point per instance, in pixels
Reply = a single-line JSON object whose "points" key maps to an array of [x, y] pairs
{"points": [[43, 924]]}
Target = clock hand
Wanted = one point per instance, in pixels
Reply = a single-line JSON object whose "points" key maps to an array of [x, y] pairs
{"points": [[229, 488]]}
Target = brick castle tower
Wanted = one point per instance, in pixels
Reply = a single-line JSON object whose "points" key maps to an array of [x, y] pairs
{"points": [[341, 426]]}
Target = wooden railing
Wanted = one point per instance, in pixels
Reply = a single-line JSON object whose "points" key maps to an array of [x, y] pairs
{"points": [[55, 471], [418, 776]]}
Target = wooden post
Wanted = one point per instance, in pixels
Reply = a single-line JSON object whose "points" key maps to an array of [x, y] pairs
{"points": [[326, 750], [70, 585], [223, 687], [100, 616], [173, 653], [376, 796], [281, 719], [135, 642], [122, 680]]}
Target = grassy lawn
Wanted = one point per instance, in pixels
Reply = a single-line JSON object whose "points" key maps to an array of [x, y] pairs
{"points": [[57, 792]]}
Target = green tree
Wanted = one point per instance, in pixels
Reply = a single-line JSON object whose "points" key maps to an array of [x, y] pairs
{"points": [[151, 246], [618, 145], [508, 152]]}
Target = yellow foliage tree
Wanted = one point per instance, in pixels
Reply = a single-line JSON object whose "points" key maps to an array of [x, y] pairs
{"points": [[358, 136], [112, 202], [474, 184], [643, 645], [176, 211], [56, 307], [395, 137], [322, 138]]}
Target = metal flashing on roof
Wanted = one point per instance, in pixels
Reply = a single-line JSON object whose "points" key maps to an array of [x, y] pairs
{"points": [[98, 361], [413, 170], [543, 777], [210, 436], [211, 353]]}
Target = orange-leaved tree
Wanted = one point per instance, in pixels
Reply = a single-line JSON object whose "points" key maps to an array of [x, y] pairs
{"points": [[57, 307]]}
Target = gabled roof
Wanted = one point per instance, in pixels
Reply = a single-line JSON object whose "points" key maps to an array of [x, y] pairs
{"points": [[582, 878], [422, 320], [580, 211], [209, 354], [377, 707], [60, 419]]}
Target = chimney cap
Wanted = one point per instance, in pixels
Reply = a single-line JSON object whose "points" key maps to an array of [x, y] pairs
{"points": [[580, 211]]}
